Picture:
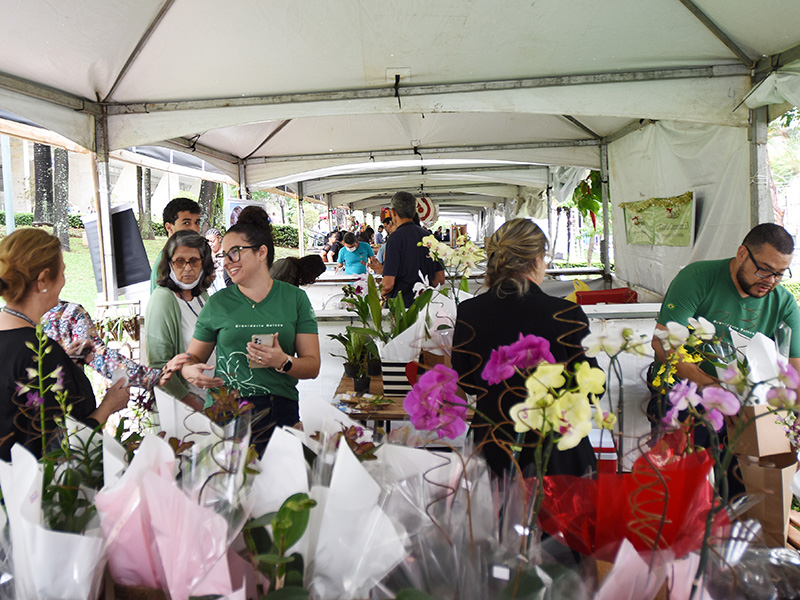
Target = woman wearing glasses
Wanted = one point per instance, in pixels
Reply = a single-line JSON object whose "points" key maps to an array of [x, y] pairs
{"points": [[264, 330], [174, 306]]}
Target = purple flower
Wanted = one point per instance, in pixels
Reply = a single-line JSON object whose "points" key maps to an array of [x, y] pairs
{"points": [[433, 403], [34, 399], [788, 376], [715, 398], [684, 394], [715, 419], [526, 353], [670, 420]]}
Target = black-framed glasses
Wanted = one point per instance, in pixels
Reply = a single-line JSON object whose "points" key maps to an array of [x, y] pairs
{"points": [[766, 273], [180, 263], [235, 253]]}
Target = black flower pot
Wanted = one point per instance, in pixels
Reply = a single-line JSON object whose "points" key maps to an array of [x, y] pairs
{"points": [[350, 370], [374, 367], [361, 384]]}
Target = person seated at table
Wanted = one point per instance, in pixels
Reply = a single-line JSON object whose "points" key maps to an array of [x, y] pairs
{"points": [[354, 256], [184, 277], [515, 304], [298, 271], [334, 246], [367, 235], [31, 278]]}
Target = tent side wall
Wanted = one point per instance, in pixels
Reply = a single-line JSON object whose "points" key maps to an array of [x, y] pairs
{"points": [[668, 159]]}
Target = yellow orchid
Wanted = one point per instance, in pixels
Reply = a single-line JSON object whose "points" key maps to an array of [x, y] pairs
{"points": [[546, 377], [574, 434], [590, 380]]}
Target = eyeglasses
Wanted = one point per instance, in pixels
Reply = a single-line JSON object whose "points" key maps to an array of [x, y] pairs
{"points": [[766, 273], [180, 263], [234, 254]]}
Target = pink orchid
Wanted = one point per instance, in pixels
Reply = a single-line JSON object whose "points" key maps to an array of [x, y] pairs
{"points": [[684, 394], [526, 353], [433, 403], [716, 398], [781, 397], [788, 376]]}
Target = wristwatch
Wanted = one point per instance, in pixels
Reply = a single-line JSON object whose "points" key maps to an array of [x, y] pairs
{"points": [[285, 367]]}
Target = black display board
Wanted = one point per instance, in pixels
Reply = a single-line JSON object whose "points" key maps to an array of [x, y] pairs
{"points": [[130, 257]]}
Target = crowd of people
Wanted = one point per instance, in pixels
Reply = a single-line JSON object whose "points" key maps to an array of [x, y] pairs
{"points": [[223, 312]]}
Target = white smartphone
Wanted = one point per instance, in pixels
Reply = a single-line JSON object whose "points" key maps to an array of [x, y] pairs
{"points": [[264, 339]]}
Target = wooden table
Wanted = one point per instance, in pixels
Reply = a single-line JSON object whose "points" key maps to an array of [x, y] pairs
{"points": [[393, 412]]}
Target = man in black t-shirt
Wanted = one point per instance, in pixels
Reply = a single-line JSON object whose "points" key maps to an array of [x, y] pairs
{"points": [[405, 259]]}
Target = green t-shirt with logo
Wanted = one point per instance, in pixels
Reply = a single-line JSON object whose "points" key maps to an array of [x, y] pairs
{"points": [[230, 319], [706, 289]]}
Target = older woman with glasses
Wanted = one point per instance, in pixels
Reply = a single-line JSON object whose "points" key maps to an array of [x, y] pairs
{"points": [[183, 279], [264, 331]]}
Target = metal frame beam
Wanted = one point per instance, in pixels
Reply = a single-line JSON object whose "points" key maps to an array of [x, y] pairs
{"points": [[139, 46], [410, 152], [718, 33], [776, 61], [428, 171], [581, 126], [192, 147], [118, 108], [635, 126], [48, 94], [429, 189]]}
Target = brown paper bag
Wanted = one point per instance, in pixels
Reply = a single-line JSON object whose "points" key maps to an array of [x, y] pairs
{"points": [[771, 476], [763, 437]]}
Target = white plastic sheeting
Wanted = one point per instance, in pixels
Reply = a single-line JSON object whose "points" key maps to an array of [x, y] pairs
{"points": [[779, 87], [668, 159]]}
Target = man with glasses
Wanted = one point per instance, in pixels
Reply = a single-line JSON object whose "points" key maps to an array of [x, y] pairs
{"points": [[739, 294], [180, 214]]}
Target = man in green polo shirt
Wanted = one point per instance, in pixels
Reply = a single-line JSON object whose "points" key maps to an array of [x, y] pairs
{"points": [[740, 294]]}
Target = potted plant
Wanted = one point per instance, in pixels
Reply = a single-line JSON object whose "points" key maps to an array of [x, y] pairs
{"points": [[358, 349]]}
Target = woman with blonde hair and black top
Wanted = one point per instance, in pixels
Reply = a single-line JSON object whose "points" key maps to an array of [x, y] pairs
{"points": [[256, 308], [516, 305]]}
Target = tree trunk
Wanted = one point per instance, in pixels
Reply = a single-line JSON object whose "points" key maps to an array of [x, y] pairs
{"points": [[208, 192], [145, 218], [61, 197], [43, 174], [569, 232]]}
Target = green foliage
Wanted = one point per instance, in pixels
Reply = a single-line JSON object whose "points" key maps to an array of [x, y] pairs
{"points": [[588, 196], [26, 220], [286, 236], [269, 553]]}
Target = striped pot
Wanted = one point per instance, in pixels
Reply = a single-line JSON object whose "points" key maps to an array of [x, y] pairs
{"points": [[395, 382]]}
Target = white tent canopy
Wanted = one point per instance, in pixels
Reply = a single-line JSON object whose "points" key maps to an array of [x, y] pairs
{"points": [[277, 91]]}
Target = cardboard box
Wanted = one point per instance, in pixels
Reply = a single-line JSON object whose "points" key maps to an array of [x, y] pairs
{"points": [[771, 476], [763, 437]]}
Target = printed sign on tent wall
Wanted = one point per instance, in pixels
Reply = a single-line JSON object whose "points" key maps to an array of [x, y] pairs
{"points": [[660, 221]]}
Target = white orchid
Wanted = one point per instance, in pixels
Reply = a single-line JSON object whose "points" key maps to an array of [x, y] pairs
{"points": [[703, 328], [675, 334], [608, 342]]}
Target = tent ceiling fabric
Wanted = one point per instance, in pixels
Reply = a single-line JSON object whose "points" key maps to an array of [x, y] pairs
{"points": [[292, 87]]}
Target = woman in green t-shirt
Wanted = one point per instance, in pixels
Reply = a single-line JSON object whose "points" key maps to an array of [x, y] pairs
{"points": [[256, 308]]}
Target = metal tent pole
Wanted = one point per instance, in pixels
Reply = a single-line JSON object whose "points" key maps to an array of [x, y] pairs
{"points": [[8, 189], [102, 199], [300, 227]]}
